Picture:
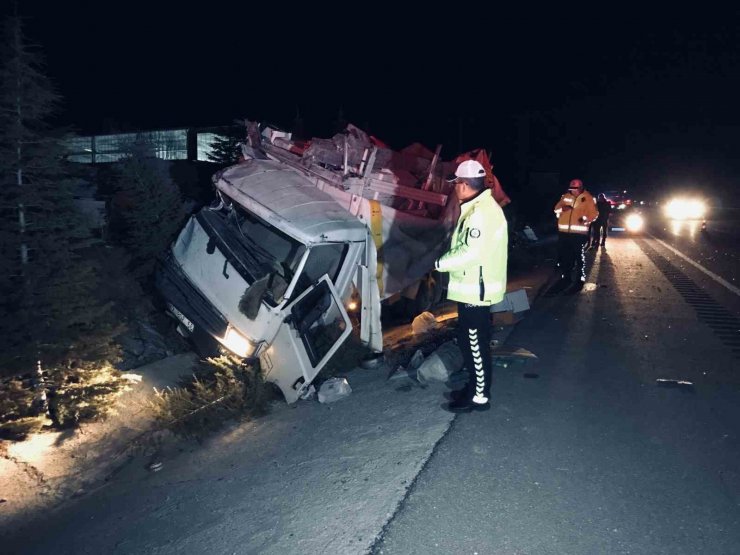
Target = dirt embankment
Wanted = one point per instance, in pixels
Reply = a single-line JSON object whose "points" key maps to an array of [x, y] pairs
{"points": [[49, 468]]}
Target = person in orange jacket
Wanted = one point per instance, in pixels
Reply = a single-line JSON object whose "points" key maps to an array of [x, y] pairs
{"points": [[575, 211]]}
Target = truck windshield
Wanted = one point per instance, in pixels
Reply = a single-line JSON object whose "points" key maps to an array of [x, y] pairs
{"points": [[254, 248], [268, 242]]}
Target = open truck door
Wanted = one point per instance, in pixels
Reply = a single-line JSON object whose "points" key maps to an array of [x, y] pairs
{"points": [[313, 328]]}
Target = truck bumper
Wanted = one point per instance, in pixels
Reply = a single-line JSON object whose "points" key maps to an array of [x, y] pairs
{"points": [[202, 322]]}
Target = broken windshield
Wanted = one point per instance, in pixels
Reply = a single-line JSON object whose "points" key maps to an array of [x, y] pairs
{"points": [[263, 255], [269, 244]]}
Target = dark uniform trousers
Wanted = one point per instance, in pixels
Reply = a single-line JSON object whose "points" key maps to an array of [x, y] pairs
{"points": [[600, 230], [474, 340], [572, 256]]}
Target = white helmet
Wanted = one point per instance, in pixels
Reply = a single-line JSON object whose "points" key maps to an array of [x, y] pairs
{"points": [[470, 168]]}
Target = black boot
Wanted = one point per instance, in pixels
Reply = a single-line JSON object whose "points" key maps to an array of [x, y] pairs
{"points": [[459, 394], [467, 405]]}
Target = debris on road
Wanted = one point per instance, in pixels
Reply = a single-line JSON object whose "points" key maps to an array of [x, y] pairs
{"points": [[530, 234], [310, 393], [416, 360], [372, 361], [683, 384], [155, 466], [423, 323], [398, 372], [507, 357], [519, 352], [440, 364], [334, 389]]}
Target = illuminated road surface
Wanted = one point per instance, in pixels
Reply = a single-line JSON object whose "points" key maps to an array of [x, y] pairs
{"points": [[717, 248], [592, 455]]}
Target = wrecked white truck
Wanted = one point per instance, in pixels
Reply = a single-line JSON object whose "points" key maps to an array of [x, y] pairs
{"points": [[301, 238]]}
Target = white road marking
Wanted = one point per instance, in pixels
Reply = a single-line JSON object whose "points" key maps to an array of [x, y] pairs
{"points": [[711, 274]]}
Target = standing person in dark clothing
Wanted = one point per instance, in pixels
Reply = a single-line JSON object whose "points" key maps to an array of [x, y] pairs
{"points": [[601, 223], [575, 211]]}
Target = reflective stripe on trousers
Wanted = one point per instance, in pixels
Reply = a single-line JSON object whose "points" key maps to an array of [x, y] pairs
{"points": [[474, 340]]}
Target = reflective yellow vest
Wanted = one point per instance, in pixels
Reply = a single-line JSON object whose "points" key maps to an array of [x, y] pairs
{"points": [[583, 211], [476, 259]]}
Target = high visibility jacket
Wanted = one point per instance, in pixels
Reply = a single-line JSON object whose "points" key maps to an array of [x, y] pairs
{"points": [[476, 259], [575, 212]]}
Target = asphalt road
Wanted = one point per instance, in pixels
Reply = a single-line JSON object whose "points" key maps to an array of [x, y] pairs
{"points": [[583, 452], [717, 248]]}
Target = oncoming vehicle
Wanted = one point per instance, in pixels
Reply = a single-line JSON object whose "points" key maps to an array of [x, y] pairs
{"points": [[630, 220], [688, 209], [620, 200], [626, 215]]}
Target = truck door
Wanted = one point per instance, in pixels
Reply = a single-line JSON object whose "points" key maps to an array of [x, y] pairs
{"points": [[313, 328]]}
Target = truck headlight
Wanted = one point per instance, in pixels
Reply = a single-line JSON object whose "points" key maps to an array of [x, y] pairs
{"points": [[236, 342], [634, 222]]}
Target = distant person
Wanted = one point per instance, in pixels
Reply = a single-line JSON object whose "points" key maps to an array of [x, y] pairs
{"points": [[476, 261], [575, 211], [600, 226]]}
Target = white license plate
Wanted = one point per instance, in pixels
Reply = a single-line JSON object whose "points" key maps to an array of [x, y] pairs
{"points": [[180, 316]]}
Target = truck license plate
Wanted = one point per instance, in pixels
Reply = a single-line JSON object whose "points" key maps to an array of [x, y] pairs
{"points": [[180, 316]]}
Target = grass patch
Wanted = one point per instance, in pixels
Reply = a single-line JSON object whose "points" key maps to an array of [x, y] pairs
{"points": [[221, 389]]}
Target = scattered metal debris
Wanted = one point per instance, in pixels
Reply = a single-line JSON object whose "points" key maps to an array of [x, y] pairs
{"points": [[682, 384], [155, 466], [518, 352], [310, 393]]}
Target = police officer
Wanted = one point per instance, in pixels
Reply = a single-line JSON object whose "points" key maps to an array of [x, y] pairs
{"points": [[575, 211], [476, 262]]}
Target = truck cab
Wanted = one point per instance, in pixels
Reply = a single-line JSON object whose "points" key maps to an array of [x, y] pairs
{"points": [[266, 273]]}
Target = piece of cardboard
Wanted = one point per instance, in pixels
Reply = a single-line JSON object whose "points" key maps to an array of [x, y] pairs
{"points": [[513, 301]]}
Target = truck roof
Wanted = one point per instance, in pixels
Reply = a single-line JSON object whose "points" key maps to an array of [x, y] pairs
{"points": [[286, 199]]}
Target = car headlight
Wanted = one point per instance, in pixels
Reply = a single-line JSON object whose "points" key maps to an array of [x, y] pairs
{"points": [[697, 209], [685, 209], [634, 222], [236, 342]]}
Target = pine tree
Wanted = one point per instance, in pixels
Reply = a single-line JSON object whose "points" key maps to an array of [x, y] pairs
{"points": [[53, 324], [148, 208], [226, 148]]}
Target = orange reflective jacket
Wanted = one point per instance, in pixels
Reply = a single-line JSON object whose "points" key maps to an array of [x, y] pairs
{"points": [[574, 213]]}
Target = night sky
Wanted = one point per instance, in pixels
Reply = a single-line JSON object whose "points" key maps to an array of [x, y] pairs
{"points": [[626, 96]]}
